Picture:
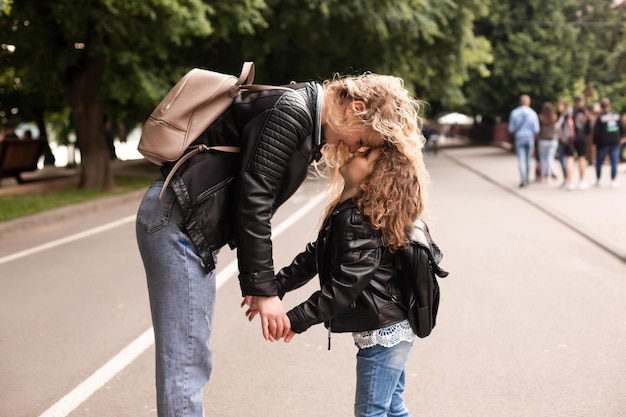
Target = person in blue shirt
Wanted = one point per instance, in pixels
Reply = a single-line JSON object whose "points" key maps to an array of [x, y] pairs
{"points": [[524, 126]]}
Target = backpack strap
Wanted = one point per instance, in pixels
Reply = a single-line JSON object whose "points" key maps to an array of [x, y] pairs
{"points": [[195, 150], [420, 235]]}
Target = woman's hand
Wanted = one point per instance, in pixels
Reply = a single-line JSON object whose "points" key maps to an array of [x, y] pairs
{"points": [[253, 308], [274, 322]]}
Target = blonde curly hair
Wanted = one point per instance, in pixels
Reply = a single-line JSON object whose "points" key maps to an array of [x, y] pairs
{"points": [[394, 195], [389, 109]]}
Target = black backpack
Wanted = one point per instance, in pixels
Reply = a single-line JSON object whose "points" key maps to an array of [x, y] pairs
{"points": [[418, 269]]}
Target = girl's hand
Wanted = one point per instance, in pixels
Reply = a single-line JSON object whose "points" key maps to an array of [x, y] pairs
{"points": [[289, 336]]}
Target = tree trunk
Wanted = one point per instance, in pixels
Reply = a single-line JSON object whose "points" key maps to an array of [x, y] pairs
{"points": [[81, 86], [48, 157]]}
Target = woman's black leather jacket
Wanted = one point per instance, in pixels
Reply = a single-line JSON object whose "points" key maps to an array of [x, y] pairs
{"points": [[231, 197], [357, 276]]}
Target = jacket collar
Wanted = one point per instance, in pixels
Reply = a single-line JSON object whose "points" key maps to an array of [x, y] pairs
{"points": [[317, 125]]}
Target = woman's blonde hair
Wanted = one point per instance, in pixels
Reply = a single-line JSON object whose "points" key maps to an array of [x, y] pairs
{"points": [[389, 109]]}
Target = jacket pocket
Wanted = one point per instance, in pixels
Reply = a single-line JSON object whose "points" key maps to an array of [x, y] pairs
{"points": [[214, 211]]}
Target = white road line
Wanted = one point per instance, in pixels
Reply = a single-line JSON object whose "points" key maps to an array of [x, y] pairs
{"points": [[67, 404], [67, 239], [82, 392]]}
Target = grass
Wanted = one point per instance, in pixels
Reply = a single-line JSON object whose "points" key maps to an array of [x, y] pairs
{"points": [[13, 207]]}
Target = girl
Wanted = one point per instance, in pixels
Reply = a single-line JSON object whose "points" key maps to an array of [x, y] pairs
{"points": [[382, 194]]}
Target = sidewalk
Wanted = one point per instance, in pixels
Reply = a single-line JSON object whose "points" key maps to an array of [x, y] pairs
{"points": [[598, 213]]}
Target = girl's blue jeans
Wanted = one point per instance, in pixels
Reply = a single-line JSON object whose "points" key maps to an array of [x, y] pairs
{"points": [[182, 300], [380, 377]]}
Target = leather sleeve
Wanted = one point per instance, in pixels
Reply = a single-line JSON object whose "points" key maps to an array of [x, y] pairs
{"points": [[268, 144], [353, 265], [302, 269]]}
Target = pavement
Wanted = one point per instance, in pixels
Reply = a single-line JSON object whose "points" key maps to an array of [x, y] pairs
{"points": [[596, 213]]}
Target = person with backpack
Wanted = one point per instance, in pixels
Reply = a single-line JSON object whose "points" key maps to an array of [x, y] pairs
{"points": [[216, 198], [524, 126], [607, 136], [565, 134], [366, 224]]}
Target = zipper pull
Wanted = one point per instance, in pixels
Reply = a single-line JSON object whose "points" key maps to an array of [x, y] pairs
{"points": [[329, 333]]}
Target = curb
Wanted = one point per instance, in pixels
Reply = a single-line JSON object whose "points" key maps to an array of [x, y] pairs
{"points": [[42, 219]]}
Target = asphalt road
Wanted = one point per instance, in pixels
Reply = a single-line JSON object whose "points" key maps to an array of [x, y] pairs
{"points": [[532, 320]]}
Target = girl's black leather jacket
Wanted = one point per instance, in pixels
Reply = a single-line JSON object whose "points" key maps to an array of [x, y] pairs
{"points": [[357, 276], [231, 197]]}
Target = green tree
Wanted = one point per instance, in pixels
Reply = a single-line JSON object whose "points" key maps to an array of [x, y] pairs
{"points": [[430, 43], [120, 57], [534, 49], [600, 50], [105, 55]]}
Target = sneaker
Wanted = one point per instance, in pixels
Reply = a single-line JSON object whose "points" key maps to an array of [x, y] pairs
{"points": [[569, 186], [583, 186], [614, 184]]}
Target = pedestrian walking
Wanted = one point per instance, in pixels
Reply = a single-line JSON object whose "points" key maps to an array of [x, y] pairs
{"points": [[577, 153], [565, 134], [524, 126], [547, 142], [607, 136]]}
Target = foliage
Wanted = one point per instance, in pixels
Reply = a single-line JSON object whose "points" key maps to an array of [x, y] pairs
{"points": [[533, 48], [475, 56], [430, 43], [549, 49], [100, 56]]}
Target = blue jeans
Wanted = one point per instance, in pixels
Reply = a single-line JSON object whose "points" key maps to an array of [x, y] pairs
{"points": [[182, 300], [613, 152], [562, 159], [546, 151], [524, 149], [380, 377]]}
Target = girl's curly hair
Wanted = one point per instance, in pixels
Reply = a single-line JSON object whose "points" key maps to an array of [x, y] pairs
{"points": [[394, 195]]}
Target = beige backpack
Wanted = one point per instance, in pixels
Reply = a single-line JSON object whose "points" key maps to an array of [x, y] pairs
{"points": [[191, 106]]}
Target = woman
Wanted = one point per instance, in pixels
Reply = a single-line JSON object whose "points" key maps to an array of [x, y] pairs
{"points": [[547, 142], [383, 193], [219, 197]]}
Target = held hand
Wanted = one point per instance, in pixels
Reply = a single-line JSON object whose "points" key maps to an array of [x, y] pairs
{"points": [[274, 322], [253, 308], [289, 336]]}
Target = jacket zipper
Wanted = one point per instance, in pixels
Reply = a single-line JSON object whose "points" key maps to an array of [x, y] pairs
{"points": [[329, 333]]}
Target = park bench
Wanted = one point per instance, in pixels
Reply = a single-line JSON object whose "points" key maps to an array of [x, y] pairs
{"points": [[17, 156]]}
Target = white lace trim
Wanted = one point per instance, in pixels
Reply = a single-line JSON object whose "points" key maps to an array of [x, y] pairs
{"points": [[387, 336]]}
